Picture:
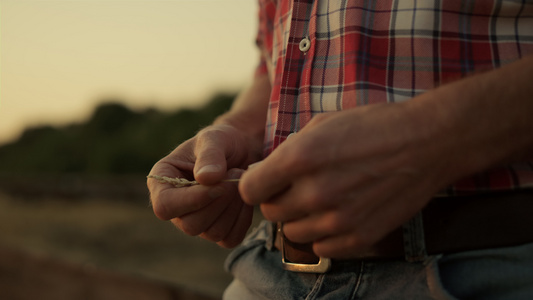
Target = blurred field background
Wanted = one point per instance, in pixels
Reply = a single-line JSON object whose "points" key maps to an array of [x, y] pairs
{"points": [[92, 94], [77, 195]]}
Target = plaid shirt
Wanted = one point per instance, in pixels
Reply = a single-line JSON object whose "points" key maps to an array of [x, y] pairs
{"points": [[329, 55]]}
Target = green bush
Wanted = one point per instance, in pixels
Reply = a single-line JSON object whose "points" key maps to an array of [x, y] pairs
{"points": [[115, 140]]}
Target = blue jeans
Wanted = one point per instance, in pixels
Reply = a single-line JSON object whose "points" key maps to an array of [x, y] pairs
{"points": [[504, 273]]}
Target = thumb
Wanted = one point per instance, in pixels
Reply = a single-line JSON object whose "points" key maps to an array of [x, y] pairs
{"points": [[210, 150]]}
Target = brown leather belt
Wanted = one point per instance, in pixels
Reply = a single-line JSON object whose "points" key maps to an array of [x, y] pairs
{"points": [[451, 224]]}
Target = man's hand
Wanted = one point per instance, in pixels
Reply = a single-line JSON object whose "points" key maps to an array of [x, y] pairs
{"points": [[213, 209], [347, 179]]}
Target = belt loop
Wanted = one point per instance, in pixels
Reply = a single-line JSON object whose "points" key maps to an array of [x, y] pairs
{"points": [[270, 235], [413, 239]]}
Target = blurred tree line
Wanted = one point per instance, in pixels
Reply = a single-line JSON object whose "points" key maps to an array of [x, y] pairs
{"points": [[115, 140]]}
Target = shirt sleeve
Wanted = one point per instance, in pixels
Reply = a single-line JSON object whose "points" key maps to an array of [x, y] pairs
{"points": [[266, 15]]}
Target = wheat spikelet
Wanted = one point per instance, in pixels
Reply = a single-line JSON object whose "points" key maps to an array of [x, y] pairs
{"points": [[181, 182]]}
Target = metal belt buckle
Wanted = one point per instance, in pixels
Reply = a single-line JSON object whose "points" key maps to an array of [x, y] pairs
{"points": [[323, 265]]}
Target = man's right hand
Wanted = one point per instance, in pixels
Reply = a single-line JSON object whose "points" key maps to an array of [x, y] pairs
{"points": [[213, 209]]}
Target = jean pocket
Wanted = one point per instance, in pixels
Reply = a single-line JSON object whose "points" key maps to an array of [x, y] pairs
{"points": [[434, 282], [497, 273]]}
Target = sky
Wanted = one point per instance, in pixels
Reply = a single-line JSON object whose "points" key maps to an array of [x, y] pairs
{"points": [[60, 59]]}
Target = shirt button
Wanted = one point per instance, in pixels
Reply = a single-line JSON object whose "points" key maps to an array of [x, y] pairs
{"points": [[305, 44], [291, 135]]}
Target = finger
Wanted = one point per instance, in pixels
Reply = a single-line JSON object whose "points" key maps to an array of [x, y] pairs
{"points": [[355, 242], [294, 203], [226, 220], [241, 222], [297, 156], [317, 192], [216, 148], [223, 224], [240, 227], [210, 165], [308, 194], [355, 209], [343, 246], [274, 174], [200, 220], [168, 167], [359, 241], [169, 202], [376, 226], [298, 232], [318, 226]]}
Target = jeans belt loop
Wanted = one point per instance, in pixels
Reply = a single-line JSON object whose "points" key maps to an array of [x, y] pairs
{"points": [[414, 240]]}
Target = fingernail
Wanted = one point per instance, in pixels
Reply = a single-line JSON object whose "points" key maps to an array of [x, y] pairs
{"points": [[209, 169], [254, 164]]}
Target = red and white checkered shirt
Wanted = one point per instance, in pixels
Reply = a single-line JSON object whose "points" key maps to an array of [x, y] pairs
{"points": [[330, 55]]}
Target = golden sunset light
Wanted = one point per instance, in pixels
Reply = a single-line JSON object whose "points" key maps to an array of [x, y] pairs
{"points": [[59, 59]]}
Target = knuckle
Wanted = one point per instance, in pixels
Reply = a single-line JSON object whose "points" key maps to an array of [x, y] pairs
{"points": [[317, 197], [298, 160], [160, 212], [206, 133], [160, 209], [211, 133], [206, 137]]}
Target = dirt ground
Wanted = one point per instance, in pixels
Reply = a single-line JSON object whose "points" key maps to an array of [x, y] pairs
{"points": [[28, 276], [116, 238]]}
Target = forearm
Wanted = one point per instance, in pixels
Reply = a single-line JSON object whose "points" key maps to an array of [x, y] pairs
{"points": [[481, 121]]}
